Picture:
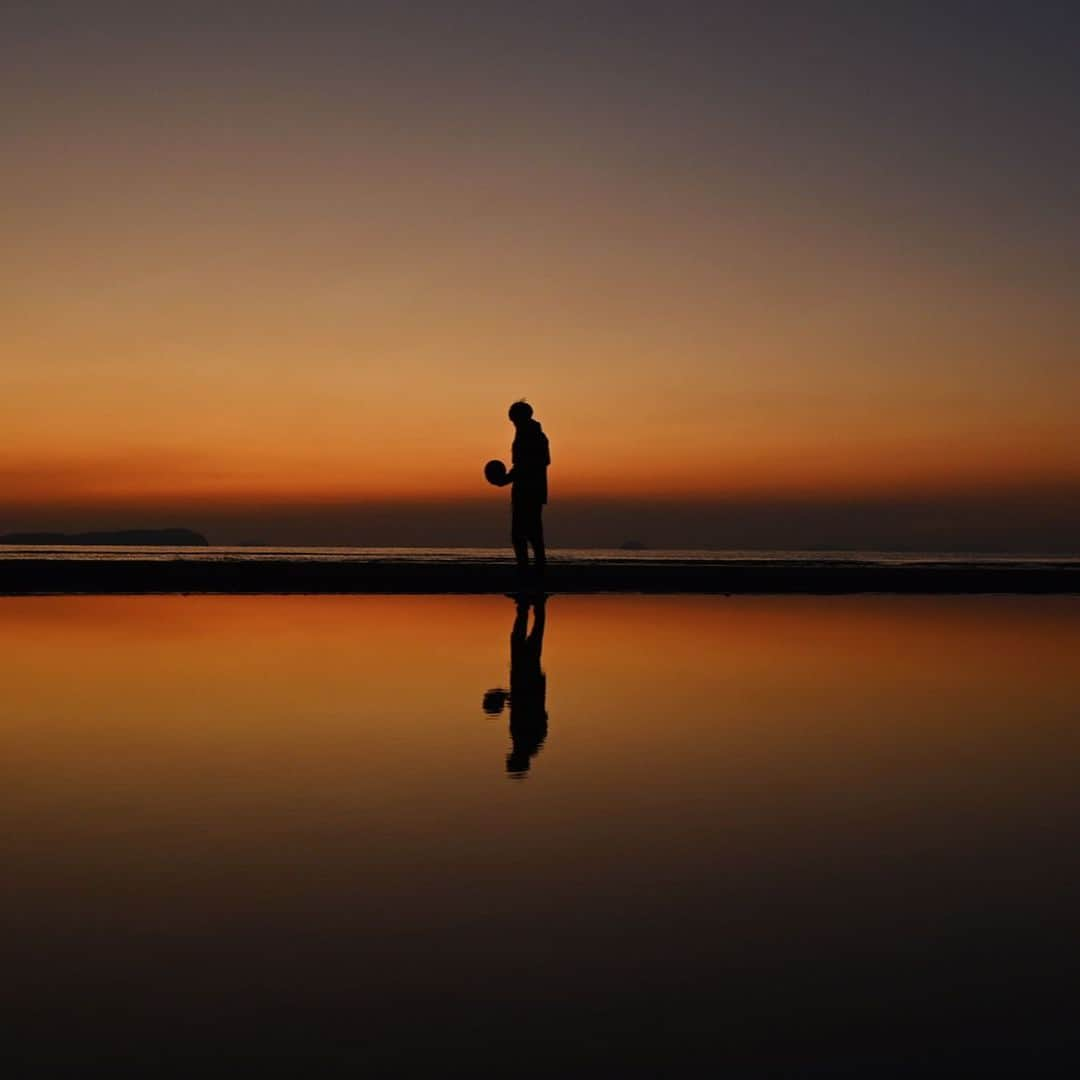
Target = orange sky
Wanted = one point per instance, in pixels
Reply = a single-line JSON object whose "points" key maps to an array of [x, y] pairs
{"points": [[236, 278]]}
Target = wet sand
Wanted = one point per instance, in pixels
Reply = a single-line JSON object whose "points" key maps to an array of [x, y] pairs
{"points": [[30, 575]]}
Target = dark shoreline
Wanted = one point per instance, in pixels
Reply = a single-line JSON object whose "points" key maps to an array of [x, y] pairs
{"points": [[43, 576]]}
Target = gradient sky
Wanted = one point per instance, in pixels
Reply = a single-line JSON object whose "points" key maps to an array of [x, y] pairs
{"points": [[772, 274]]}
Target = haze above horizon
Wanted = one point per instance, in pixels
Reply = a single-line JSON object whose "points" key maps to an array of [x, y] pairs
{"points": [[777, 280]]}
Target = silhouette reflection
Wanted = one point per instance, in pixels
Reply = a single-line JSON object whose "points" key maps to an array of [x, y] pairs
{"points": [[527, 696]]}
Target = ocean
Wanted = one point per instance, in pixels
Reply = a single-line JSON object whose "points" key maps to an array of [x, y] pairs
{"points": [[216, 553]]}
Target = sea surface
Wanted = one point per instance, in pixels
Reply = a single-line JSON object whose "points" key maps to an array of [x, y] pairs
{"points": [[485, 555], [623, 835]]}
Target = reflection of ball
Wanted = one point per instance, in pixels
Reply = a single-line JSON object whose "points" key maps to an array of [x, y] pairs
{"points": [[495, 473], [495, 701]]}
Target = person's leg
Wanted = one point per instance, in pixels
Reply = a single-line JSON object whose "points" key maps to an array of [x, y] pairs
{"points": [[519, 536], [538, 541]]}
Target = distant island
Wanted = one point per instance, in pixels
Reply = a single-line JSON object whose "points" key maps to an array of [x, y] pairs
{"points": [[633, 545], [119, 538]]}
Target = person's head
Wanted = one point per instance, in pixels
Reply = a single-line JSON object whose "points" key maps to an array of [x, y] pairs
{"points": [[520, 412], [517, 764]]}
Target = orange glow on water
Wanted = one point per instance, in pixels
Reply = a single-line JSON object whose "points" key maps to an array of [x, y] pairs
{"points": [[272, 798]]}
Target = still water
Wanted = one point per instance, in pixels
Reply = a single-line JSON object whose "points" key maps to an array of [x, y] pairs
{"points": [[780, 834]]}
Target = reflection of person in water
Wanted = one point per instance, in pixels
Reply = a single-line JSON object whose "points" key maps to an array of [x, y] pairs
{"points": [[527, 695]]}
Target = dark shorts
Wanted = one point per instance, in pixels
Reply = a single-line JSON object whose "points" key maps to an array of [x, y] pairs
{"points": [[527, 519]]}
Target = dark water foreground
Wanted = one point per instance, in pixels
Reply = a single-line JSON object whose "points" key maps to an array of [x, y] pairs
{"points": [[648, 836], [28, 574]]}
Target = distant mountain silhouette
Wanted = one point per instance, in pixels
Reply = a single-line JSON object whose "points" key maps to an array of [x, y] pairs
{"points": [[633, 545], [132, 537]]}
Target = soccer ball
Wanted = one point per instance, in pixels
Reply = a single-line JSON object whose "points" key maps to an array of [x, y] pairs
{"points": [[495, 473]]}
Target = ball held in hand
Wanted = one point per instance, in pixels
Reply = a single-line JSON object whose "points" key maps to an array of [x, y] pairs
{"points": [[495, 473]]}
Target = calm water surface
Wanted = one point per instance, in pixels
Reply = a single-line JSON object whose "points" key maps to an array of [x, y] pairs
{"points": [[163, 553], [788, 836]]}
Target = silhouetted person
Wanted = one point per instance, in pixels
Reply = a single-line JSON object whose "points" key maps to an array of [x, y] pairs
{"points": [[528, 689], [530, 458]]}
